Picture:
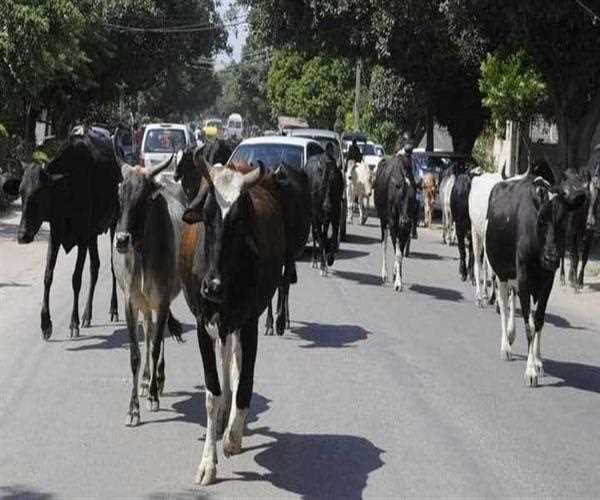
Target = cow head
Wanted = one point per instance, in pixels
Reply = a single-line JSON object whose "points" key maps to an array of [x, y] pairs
{"points": [[224, 205], [136, 192], [35, 188], [554, 205]]}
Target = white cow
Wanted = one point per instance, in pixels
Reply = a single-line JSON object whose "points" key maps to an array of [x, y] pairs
{"points": [[448, 230], [479, 197], [359, 184]]}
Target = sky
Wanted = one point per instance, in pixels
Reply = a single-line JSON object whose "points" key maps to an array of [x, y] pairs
{"points": [[236, 39]]}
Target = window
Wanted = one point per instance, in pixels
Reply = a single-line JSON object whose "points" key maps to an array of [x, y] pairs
{"points": [[271, 155], [314, 149], [164, 140]]}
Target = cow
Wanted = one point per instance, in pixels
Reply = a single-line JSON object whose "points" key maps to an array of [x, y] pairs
{"points": [[326, 184], [429, 189], [292, 184], [188, 174], [526, 226], [448, 229], [77, 194], [231, 265], [479, 197], [146, 257], [395, 201], [358, 187], [459, 205], [579, 232], [217, 152]]}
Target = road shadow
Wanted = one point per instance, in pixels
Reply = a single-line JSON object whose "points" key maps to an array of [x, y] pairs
{"points": [[21, 492], [438, 293], [346, 254], [14, 284], [426, 256], [316, 465], [360, 278], [560, 322], [192, 408], [180, 495], [9, 231], [359, 239], [328, 336], [119, 339]]}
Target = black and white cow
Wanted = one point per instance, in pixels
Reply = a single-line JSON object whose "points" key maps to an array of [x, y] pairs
{"points": [[146, 261], [77, 194], [526, 227], [232, 256], [395, 201]]}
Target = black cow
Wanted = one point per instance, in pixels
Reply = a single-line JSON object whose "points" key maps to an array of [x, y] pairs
{"points": [[459, 205], [526, 227], [188, 174], [326, 185], [395, 202], [217, 151], [77, 194], [295, 202], [579, 232], [231, 264]]}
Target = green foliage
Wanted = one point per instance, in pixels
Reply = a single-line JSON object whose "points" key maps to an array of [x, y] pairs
{"points": [[482, 150], [512, 89], [39, 156], [315, 88]]}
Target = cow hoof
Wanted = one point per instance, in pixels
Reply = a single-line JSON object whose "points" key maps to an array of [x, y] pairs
{"points": [[506, 354], [133, 418], [330, 260], [531, 377], [280, 332], [144, 390], [463, 277], [323, 273], [114, 316], [153, 405], [86, 320], [562, 281], [397, 287], [540, 370], [207, 472], [232, 444], [74, 331], [269, 331], [511, 337], [161, 386], [47, 332], [314, 264]]}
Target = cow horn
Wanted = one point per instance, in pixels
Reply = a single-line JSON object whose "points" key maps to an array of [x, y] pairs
{"points": [[503, 172], [161, 167], [252, 177], [200, 164]]}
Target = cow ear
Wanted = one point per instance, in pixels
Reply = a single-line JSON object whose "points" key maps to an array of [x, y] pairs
{"points": [[11, 186]]}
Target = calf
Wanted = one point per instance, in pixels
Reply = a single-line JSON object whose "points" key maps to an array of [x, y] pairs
{"points": [[448, 230], [325, 181], [395, 201], [77, 194], [459, 204], [145, 255], [579, 232], [429, 189], [526, 226], [479, 197], [358, 187], [231, 266]]}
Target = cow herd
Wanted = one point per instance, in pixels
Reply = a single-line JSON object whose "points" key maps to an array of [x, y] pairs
{"points": [[229, 236]]}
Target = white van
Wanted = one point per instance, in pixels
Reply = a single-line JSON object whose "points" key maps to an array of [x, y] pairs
{"points": [[161, 140], [235, 126]]}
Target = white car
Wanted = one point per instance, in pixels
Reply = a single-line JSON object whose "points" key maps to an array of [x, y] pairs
{"points": [[161, 140], [372, 154], [273, 150]]}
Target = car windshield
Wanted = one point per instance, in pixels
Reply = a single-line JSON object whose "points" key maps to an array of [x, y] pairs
{"points": [[379, 151], [164, 140], [369, 150], [323, 141], [271, 155]]}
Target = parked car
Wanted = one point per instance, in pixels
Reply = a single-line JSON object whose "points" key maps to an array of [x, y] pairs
{"points": [[235, 127], [161, 140], [324, 137], [272, 150]]}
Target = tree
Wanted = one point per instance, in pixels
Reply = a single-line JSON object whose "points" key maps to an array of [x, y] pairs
{"points": [[561, 44], [409, 36]]}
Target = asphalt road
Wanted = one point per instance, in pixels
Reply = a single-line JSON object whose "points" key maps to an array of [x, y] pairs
{"points": [[372, 393]]}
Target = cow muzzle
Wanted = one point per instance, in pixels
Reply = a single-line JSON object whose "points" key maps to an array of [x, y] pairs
{"points": [[212, 289], [122, 242]]}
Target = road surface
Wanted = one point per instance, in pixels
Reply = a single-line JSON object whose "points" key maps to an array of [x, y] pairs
{"points": [[372, 393]]}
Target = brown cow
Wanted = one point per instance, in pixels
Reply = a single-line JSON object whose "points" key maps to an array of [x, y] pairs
{"points": [[429, 189]]}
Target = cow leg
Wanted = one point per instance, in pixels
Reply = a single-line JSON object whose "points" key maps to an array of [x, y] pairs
{"points": [[94, 268], [207, 470], [384, 240], [225, 408], [332, 243], [444, 226], [531, 371], [323, 250], [282, 314], [397, 264], [157, 340], [269, 322], [133, 414], [76, 282], [51, 255], [462, 266], [148, 327], [510, 327], [470, 266], [114, 309], [316, 232], [505, 348], [562, 271], [538, 324], [574, 258], [160, 371], [242, 377], [585, 253], [477, 253]]}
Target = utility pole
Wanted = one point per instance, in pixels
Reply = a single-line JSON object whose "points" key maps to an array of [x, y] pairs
{"points": [[357, 94]]}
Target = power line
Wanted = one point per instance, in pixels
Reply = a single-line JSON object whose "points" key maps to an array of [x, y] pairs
{"points": [[175, 29], [589, 11]]}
